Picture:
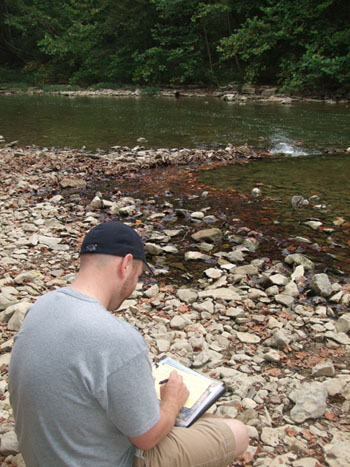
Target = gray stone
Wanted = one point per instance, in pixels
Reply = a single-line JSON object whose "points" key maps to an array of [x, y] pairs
{"points": [[343, 323], [284, 299], [323, 369], [299, 259], [153, 249], [20, 309], [178, 322], [310, 402], [72, 183], [313, 224], [27, 276], [337, 452], [278, 340], [187, 295], [321, 285], [235, 256], [221, 293], [339, 337], [298, 272], [249, 269], [9, 443], [170, 249], [278, 279], [213, 273], [196, 256], [211, 235], [306, 462], [248, 338], [197, 215], [272, 356], [153, 291], [291, 289], [270, 436]]}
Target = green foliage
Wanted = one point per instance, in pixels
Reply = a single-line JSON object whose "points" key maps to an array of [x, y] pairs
{"points": [[301, 44], [304, 43]]}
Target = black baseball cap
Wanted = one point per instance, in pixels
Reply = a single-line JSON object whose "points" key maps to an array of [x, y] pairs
{"points": [[114, 238]]}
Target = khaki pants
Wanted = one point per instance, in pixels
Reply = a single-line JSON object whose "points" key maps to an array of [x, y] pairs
{"points": [[209, 442]]}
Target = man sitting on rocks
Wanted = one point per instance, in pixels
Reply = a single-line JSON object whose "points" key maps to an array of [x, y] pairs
{"points": [[81, 383]]}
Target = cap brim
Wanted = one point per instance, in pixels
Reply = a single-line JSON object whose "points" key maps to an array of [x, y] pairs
{"points": [[147, 267]]}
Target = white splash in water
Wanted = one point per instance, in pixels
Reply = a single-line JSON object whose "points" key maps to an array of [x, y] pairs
{"points": [[287, 148]]}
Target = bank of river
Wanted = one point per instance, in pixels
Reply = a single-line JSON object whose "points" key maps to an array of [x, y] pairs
{"points": [[274, 327]]}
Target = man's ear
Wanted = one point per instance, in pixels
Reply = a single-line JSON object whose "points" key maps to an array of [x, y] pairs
{"points": [[126, 265]]}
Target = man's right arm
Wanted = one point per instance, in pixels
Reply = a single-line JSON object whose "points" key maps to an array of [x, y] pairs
{"points": [[173, 397]]}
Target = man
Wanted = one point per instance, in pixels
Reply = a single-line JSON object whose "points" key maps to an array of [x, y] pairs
{"points": [[81, 383]]}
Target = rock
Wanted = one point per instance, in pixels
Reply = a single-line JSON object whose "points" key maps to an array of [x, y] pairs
{"points": [[27, 276], [170, 249], [284, 299], [306, 462], [272, 356], [153, 291], [235, 256], [278, 340], [20, 309], [248, 338], [5, 359], [163, 345], [323, 369], [343, 323], [153, 249], [213, 273], [197, 215], [256, 192], [299, 259], [187, 295], [298, 272], [250, 269], [270, 436], [291, 289], [196, 256], [310, 402], [221, 293], [72, 183], [313, 224], [96, 203], [178, 322], [9, 443], [321, 285], [278, 279], [337, 452], [211, 235], [339, 337]]}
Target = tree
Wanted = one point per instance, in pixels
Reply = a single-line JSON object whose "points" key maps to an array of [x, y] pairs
{"points": [[302, 43]]}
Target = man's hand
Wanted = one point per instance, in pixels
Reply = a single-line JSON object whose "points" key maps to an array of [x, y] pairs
{"points": [[173, 397], [174, 392]]}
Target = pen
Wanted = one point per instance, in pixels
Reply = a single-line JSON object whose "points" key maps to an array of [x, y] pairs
{"points": [[164, 381]]}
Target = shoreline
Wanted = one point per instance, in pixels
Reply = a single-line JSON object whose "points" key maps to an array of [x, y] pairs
{"points": [[275, 330], [245, 94]]}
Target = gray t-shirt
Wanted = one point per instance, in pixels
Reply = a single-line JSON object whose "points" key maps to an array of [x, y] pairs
{"points": [[80, 384]]}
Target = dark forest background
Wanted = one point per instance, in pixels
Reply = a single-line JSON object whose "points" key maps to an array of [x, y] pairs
{"points": [[301, 45]]}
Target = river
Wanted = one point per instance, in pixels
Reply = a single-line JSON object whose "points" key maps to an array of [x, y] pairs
{"points": [[101, 122]]}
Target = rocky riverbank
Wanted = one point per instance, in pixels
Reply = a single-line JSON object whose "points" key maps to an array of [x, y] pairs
{"points": [[276, 331], [231, 93]]}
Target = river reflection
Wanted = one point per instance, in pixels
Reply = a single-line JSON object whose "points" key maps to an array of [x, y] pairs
{"points": [[102, 122]]}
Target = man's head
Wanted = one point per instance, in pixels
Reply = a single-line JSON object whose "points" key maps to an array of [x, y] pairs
{"points": [[112, 260], [116, 239]]}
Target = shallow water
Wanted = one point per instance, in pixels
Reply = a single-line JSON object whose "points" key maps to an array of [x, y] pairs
{"points": [[102, 122], [280, 178]]}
